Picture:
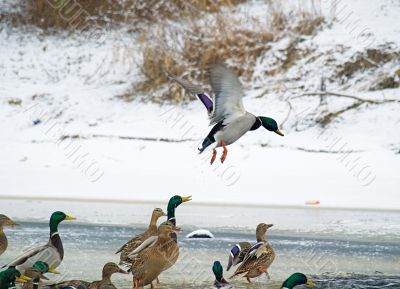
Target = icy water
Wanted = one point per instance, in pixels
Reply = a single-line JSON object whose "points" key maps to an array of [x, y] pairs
{"points": [[335, 248], [88, 247]]}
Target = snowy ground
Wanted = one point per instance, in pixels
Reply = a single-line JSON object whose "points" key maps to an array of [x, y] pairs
{"points": [[71, 87]]}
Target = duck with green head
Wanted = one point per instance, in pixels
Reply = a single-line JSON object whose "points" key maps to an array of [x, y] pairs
{"points": [[297, 279], [11, 275], [36, 273], [52, 253], [226, 111], [4, 222], [173, 203], [218, 273]]}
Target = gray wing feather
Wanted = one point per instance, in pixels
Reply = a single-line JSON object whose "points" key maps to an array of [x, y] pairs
{"points": [[228, 93], [22, 259], [192, 88]]}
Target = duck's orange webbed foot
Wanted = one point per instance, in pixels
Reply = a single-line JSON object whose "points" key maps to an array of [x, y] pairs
{"points": [[158, 280], [136, 283], [214, 156], [225, 152]]}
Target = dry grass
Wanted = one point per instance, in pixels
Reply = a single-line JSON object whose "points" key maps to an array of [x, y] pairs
{"points": [[72, 14], [221, 39], [369, 59]]}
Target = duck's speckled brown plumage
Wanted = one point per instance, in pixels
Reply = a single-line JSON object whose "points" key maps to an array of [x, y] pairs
{"points": [[258, 262], [4, 221], [105, 283], [135, 242], [153, 260]]}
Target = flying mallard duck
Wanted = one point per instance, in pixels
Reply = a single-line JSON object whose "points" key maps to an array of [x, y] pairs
{"points": [[240, 250], [10, 276], [226, 111], [150, 261], [218, 273], [4, 221], [36, 273], [135, 242], [105, 282], [258, 258], [297, 279], [52, 253]]}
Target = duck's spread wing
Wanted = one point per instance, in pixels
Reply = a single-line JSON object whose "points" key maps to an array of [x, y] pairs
{"points": [[196, 90], [146, 244], [28, 254], [228, 93]]}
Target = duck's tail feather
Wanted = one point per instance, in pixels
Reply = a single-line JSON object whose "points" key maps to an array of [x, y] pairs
{"points": [[206, 143]]}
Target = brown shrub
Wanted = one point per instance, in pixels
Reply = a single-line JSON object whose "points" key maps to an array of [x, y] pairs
{"points": [[221, 39], [67, 14], [369, 59]]}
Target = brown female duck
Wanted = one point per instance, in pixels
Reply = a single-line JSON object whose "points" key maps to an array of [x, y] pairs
{"points": [[135, 242], [150, 261], [259, 257], [4, 222], [105, 282]]}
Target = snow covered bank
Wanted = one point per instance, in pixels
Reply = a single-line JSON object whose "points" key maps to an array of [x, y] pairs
{"points": [[67, 133]]}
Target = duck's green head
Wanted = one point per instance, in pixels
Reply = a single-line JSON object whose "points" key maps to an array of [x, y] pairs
{"points": [[270, 124], [175, 201], [58, 217], [297, 279], [9, 276], [218, 271], [43, 267]]}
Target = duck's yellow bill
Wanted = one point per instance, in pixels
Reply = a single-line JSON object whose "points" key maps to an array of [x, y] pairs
{"points": [[69, 218], [311, 283], [186, 199], [53, 270], [279, 132], [23, 279]]}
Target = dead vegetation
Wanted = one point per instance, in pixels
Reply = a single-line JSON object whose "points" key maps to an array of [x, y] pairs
{"points": [[371, 58], [221, 39], [82, 14]]}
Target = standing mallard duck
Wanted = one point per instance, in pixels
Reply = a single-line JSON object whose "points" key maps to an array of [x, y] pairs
{"points": [[297, 279], [240, 250], [4, 222], [10, 276], [226, 111], [259, 257], [152, 260], [135, 242], [219, 277], [105, 283], [36, 273], [52, 253]]}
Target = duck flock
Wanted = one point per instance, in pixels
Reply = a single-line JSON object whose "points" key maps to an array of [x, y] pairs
{"points": [[156, 250]]}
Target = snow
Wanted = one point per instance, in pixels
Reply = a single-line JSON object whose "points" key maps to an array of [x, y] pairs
{"points": [[201, 233], [72, 85]]}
